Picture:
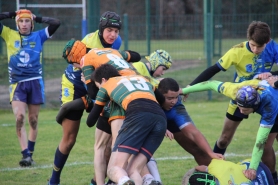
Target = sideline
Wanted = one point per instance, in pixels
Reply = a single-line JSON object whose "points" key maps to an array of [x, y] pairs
{"points": [[91, 163]]}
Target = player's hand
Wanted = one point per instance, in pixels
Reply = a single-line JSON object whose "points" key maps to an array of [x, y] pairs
{"points": [[263, 76], [185, 96], [201, 168], [216, 156], [271, 80], [169, 135], [250, 174]]}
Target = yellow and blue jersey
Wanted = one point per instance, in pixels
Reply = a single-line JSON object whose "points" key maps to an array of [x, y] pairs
{"points": [[248, 64], [268, 108], [143, 70], [24, 53]]}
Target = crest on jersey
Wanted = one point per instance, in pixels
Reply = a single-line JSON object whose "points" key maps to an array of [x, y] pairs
{"points": [[248, 68], [17, 44]]}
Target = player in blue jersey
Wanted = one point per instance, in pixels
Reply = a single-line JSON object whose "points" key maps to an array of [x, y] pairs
{"points": [[24, 49], [249, 96], [250, 58], [182, 126]]}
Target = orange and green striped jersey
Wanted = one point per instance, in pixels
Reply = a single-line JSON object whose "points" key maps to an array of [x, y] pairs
{"points": [[125, 89], [98, 56]]}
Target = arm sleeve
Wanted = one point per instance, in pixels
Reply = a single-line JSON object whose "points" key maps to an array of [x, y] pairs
{"points": [[258, 149], [6, 15], [94, 115], [206, 74], [134, 56], [159, 96], [53, 23], [274, 72], [204, 86], [92, 90]]}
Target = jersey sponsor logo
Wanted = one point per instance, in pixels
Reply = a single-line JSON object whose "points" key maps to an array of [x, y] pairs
{"points": [[17, 44], [248, 68], [24, 57]]}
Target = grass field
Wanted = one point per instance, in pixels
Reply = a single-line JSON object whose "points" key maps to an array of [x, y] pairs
{"points": [[172, 161]]}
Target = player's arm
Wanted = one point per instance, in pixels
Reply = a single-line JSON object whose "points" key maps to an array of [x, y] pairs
{"points": [[94, 115], [204, 86], [206, 74], [52, 22], [87, 71], [7, 15], [257, 152], [130, 56], [197, 137]]}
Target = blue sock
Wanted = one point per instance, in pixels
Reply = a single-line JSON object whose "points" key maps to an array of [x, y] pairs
{"points": [[25, 153], [31, 146], [218, 150], [59, 162]]}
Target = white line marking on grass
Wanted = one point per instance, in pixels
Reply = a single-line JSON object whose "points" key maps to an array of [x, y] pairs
{"points": [[91, 163]]}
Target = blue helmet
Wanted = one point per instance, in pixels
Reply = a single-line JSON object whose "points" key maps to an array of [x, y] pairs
{"points": [[248, 97]]}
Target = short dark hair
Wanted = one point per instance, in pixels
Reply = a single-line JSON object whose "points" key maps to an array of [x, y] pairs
{"points": [[167, 84], [104, 71], [259, 32]]}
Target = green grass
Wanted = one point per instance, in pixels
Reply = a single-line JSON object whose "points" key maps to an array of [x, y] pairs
{"points": [[172, 161]]}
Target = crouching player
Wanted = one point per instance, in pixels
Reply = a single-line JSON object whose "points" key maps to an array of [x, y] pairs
{"points": [[250, 96], [143, 129]]}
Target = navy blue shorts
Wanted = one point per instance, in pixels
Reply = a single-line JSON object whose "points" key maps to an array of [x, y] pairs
{"points": [[30, 92], [141, 132]]}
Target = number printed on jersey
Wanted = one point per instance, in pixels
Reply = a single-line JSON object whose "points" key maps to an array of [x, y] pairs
{"points": [[135, 83], [118, 61]]}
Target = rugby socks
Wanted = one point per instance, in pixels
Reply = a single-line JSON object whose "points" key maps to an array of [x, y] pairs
{"points": [[25, 153], [123, 180], [147, 179], [31, 146], [274, 176], [59, 162], [218, 150], [152, 166]]}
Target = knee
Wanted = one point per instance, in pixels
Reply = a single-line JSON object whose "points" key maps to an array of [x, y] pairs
{"points": [[70, 143], [223, 143], [33, 120], [19, 121]]}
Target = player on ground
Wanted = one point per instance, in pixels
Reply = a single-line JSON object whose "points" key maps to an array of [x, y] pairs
{"points": [[249, 96], [220, 172], [143, 129], [252, 57], [24, 48]]}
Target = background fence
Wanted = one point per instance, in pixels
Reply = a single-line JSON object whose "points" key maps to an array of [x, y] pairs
{"points": [[176, 26]]}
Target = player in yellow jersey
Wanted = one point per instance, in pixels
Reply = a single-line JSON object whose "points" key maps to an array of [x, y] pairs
{"points": [[250, 58]]}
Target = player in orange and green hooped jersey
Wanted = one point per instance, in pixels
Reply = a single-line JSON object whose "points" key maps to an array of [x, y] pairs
{"points": [[142, 130]]}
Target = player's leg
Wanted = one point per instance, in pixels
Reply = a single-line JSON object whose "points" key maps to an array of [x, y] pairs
{"points": [[226, 136], [102, 140], [19, 110], [70, 131], [268, 157], [199, 155], [33, 113], [232, 120]]}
